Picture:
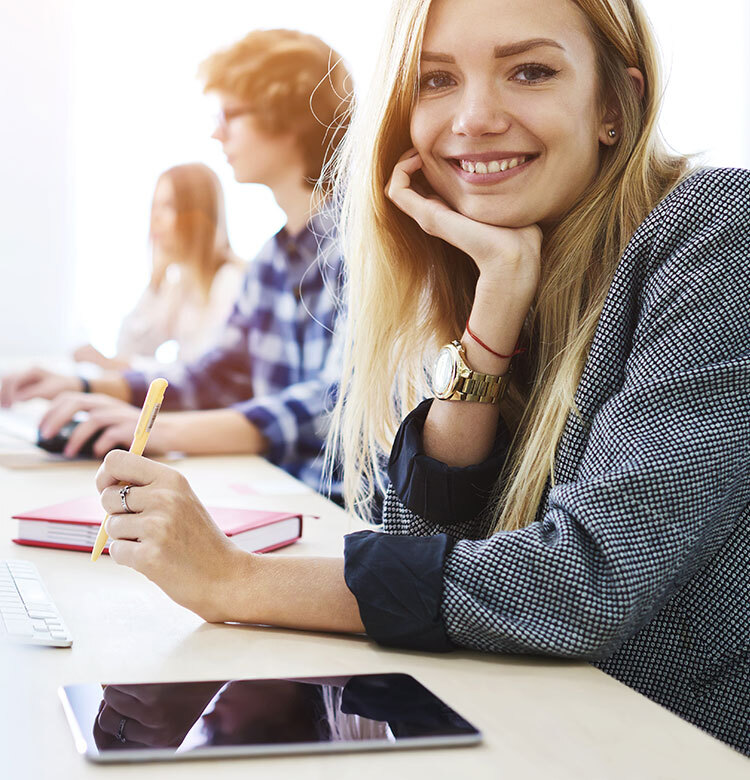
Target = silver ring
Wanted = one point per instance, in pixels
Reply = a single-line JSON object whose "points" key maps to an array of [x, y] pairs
{"points": [[120, 729], [124, 490]]}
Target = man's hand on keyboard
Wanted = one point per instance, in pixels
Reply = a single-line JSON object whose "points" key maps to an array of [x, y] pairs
{"points": [[112, 419], [35, 383]]}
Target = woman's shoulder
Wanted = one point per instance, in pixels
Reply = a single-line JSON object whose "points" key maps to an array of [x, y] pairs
{"points": [[695, 244], [228, 278], [708, 210], [231, 271], [704, 197]]}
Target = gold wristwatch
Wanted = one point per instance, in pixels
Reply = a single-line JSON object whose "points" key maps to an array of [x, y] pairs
{"points": [[453, 380]]}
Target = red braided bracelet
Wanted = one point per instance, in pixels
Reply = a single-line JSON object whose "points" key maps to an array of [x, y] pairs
{"points": [[479, 341]]}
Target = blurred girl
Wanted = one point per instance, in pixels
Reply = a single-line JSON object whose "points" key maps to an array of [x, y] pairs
{"points": [[195, 276]]}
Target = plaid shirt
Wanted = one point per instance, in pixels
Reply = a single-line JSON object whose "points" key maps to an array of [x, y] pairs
{"points": [[274, 361]]}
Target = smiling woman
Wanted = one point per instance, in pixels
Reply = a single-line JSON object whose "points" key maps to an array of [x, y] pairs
{"points": [[579, 486], [529, 111]]}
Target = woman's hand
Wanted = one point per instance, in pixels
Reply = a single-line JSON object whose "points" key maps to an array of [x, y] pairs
{"points": [[507, 258], [156, 715], [90, 354], [169, 536], [115, 421]]}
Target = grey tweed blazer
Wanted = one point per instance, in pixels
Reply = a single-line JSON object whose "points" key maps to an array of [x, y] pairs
{"points": [[639, 557]]}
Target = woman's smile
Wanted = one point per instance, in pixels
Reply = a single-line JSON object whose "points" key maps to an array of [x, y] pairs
{"points": [[490, 168], [508, 119]]}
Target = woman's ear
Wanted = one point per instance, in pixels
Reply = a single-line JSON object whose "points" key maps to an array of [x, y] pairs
{"points": [[638, 82], [609, 131]]}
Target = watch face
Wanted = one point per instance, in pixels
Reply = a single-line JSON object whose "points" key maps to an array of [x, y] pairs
{"points": [[442, 378]]}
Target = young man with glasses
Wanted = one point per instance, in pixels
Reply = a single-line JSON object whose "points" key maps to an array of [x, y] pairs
{"points": [[284, 101]]}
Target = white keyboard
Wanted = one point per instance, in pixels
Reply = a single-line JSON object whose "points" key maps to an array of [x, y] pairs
{"points": [[27, 612]]}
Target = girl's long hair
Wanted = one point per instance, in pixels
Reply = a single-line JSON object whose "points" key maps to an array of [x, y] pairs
{"points": [[201, 239], [409, 293]]}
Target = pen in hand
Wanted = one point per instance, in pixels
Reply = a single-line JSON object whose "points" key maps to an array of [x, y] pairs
{"points": [[150, 409]]}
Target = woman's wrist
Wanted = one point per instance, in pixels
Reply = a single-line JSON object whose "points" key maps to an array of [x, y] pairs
{"points": [[495, 330], [233, 597], [478, 359]]}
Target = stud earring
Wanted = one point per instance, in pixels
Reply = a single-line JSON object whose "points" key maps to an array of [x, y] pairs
{"points": [[611, 132]]}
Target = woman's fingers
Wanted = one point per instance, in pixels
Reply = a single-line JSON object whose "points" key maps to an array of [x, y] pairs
{"points": [[110, 721], [408, 153], [125, 553], [120, 466], [111, 500], [431, 213], [126, 526], [119, 699]]}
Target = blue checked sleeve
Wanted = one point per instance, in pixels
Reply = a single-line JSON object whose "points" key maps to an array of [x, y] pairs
{"points": [[220, 378], [294, 420]]}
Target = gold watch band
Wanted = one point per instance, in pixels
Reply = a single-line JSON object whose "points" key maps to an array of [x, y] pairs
{"points": [[475, 386], [482, 388]]}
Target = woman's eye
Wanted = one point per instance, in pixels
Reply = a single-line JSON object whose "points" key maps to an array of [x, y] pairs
{"points": [[435, 80], [533, 73]]}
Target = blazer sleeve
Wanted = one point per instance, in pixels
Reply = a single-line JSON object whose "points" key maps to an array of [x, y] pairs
{"points": [[440, 498], [664, 474]]}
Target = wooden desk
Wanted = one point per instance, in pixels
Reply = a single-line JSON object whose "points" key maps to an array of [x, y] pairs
{"points": [[541, 718]]}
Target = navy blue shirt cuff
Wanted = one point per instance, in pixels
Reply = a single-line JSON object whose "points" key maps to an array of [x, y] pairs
{"points": [[437, 492], [398, 584]]}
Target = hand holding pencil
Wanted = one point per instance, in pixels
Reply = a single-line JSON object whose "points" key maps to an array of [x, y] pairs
{"points": [[150, 409]]}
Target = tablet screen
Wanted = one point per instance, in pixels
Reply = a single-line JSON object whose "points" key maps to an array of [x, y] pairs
{"points": [[245, 717]]}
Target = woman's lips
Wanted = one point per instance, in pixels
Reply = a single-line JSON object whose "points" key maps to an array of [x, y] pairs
{"points": [[489, 177]]}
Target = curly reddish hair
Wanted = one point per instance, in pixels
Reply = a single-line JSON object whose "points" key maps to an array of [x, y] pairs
{"points": [[298, 84]]}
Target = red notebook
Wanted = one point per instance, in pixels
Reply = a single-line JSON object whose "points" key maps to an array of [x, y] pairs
{"points": [[73, 525]]}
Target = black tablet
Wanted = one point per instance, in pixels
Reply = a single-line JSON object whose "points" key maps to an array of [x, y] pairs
{"points": [[162, 721]]}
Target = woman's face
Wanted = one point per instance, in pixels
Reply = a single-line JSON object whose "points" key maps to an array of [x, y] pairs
{"points": [[164, 215], [507, 120]]}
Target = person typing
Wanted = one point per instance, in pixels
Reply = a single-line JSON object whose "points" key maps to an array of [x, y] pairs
{"points": [[264, 388]]}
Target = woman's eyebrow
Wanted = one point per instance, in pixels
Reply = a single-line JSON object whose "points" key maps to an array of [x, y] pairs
{"points": [[500, 51], [533, 43]]}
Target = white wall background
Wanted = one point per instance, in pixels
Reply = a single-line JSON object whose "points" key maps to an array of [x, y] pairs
{"points": [[98, 98]]}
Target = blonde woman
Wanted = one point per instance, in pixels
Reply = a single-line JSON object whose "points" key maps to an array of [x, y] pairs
{"points": [[586, 498], [195, 277]]}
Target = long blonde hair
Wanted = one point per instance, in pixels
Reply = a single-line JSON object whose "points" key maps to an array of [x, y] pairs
{"points": [[409, 293], [201, 238]]}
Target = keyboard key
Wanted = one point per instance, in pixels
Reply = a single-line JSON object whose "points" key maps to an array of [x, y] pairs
{"points": [[19, 627], [42, 613], [27, 613]]}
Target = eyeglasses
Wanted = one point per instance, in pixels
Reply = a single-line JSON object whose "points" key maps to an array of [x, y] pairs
{"points": [[226, 115]]}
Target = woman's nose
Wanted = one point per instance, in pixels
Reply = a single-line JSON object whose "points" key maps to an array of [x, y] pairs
{"points": [[480, 112]]}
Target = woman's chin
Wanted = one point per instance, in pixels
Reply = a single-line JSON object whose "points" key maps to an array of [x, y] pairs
{"points": [[494, 214]]}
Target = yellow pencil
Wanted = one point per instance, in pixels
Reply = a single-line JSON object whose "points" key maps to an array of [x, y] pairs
{"points": [[150, 409]]}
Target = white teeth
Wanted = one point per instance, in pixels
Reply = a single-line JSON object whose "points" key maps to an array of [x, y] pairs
{"points": [[493, 166]]}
